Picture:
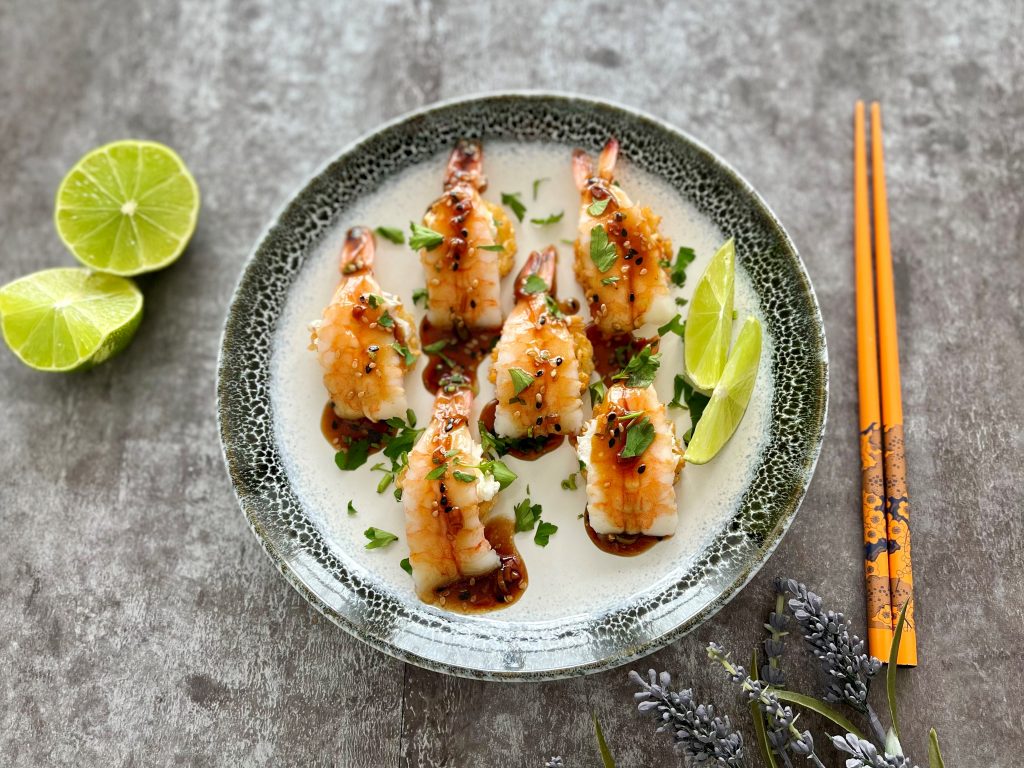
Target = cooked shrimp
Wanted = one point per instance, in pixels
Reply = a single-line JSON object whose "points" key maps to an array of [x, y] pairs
{"points": [[464, 272], [444, 512], [621, 273], [631, 494], [550, 353], [365, 340]]}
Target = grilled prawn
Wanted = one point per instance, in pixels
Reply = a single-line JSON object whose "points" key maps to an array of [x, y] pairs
{"points": [[543, 361], [365, 340], [464, 270], [619, 251], [632, 461]]}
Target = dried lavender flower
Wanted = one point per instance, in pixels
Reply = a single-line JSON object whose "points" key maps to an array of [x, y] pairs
{"points": [[695, 728], [554, 762], [774, 645], [865, 755], [841, 654]]}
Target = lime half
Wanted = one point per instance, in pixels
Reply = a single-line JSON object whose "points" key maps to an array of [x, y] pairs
{"points": [[127, 207], [729, 400], [70, 318], [709, 324]]}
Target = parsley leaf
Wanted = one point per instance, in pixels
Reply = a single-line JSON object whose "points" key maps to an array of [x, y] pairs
{"points": [[610, 280], [639, 437], [405, 352], [437, 346], [492, 443], [464, 477], [500, 472], [544, 532], [695, 401], [378, 538], [386, 321], [673, 326], [597, 207], [420, 294], [569, 484], [552, 305], [351, 508], [602, 251], [437, 472], [527, 515], [497, 247], [521, 380], [406, 566], [677, 270], [554, 218], [424, 237], [354, 456], [640, 371], [393, 234], [681, 302], [534, 284], [374, 300], [511, 199], [536, 185], [597, 393]]}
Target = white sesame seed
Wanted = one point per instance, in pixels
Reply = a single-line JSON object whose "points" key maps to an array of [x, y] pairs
{"points": [[643, 271]]}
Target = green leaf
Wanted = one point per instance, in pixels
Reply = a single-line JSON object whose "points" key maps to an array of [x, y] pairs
{"points": [[351, 508], [536, 185], [597, 207], [677, 391], [673, 326], [641, 369], [569, 484], [511, 199], [610, 280], [464, 477], [759, 727], [378, 538], [437, 472], [420, 294], [892, 743], [681, 302], [597, 393], [437, 346], [552, 305], [406, 566], [521, 379], [374, 300], [934, 754], [404, 351], [602, 745], [534, 284], [410, 416], [677, 270], [890, 673], [602, 250], [393, 234], [500, 472], [386, 321], [544, 532], [354, 456], [823, 709], [554, 218], [639, 437], [385, 481], [496, 248], [527, 515], [424, 237]]}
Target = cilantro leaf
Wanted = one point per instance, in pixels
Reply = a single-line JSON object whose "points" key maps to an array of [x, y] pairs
{"points": [[695, 403], [677, 270], [499, 471], [511, 199], [464, 477], [374, 300], [554, 218], [378, 538], [602, 251], [521, 379], [681, 302], [420, 294], [536, 185], [497, 247], [597, 393], [544, 532], [437, 346], [386, 321], [639, 437], [351, 508], [673, 326], [437, 472], [597, 207], [534, 284], [527, 515], [641, 369], [354, 456], [424, 237], [405, 352], [406, 565], [393, 234], [610, 280], [552, 305]]}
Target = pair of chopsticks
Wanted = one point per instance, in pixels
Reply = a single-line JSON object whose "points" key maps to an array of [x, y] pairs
{"points": [[885, 503]]}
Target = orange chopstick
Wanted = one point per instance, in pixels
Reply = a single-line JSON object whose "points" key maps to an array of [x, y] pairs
{"points": [[897, 502], [876, 544]]}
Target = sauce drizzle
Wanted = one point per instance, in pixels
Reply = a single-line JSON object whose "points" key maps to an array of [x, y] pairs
{"points": [[497, 589], [343, 433], [620, 544]]}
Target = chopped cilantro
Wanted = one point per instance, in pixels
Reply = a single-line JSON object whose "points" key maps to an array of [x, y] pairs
{"points": [[405, 352], [569, 484], [536, 185], [437, 346], [544, 532], [639, 437], [677, 270], [351, 508], [386, 321], [680, 301], [527, 515], [534, 284], [424, 237], [552, 305], [463, 477], [420, 294], [511, 199], [640, 371], [354, 456], [500, 472], [437, 472], [554, 218], [610, 280], [597, 207], [406, 565], [597, 393], [497, 247], [521, 379], [675, 325], [393, 234], [378, 538], [602, 250]]}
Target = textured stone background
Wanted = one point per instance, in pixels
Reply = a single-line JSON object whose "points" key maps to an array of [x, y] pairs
{"points": [[140, 624]]}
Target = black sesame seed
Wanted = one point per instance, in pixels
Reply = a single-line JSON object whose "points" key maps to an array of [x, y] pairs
{"points": [[558, 427], [540, 420], [612, 416], [627, 256], [640, 470], [374, 348], [623, 232], [640, 261], [472, 303], [632, 297], [539, 374], [558, 361], [539, 404], [367, 369], [611, 443]]}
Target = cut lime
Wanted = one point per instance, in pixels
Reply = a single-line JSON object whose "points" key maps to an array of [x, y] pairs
{"points": [[69, 318], [709, 324], [127, 208], [729, 400]]}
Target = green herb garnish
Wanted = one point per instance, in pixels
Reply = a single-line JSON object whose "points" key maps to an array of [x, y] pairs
{"points": [[386, 321], [405, 352], [497, 247], [554, 218], [500, 472], [351, 508], [639, 437], [681, 302], [527, 515], [677, 270], [354, 456], [437, 472], [552, 305], [521, 380], [675, 325], [640, 371], [420, 294], [378, 538], [463, 477], [374, 300], [437, 346], [424, 237], [406, 565], [597, 393], [534, 284], [610, 280], [544, 532], [492, 443], [511, 199], [597, 207], [536, 185], [393, 234], [569, 484], [602, 250]]}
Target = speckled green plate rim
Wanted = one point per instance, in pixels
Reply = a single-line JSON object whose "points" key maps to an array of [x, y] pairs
{"points": [[448, 643]]}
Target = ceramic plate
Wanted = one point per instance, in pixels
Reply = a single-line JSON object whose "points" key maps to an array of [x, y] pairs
{"points": [[584, 610]]}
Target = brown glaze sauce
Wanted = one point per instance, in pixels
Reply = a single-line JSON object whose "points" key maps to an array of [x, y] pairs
{"points": [[464, 351], [497, 589], [530, 449], [619, 544], [612, 353], [342, 433]]}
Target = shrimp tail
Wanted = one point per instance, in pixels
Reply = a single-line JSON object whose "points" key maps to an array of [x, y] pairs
{"points": [[582, 168], [543, 265], [358, 251], [606, 162], [466, 164]]}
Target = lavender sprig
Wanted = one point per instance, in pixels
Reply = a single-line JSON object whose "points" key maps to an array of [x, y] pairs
{"points": [[841, 654], [865, 755], [774, 645], [554, 762], [784, 734], [694, 727]]}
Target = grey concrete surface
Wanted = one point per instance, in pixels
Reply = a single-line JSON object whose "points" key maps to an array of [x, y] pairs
{"points": [[140, 623]]}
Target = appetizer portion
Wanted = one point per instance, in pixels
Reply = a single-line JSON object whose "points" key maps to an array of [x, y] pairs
{"points": [[620, 254], [632, 461], [543, 360], [466, 246], [365, 340], [448, 492]]}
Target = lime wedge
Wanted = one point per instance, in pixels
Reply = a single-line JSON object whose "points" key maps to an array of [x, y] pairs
{"points": [[709, 324], [729, 400], [127, 208], [69, 319]]}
